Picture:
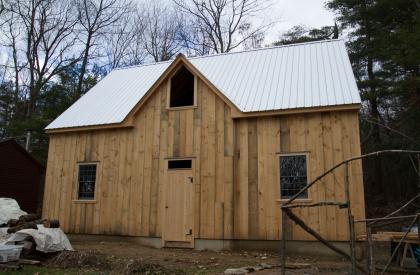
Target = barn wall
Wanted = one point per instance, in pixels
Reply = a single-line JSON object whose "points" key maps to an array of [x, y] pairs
{"points": [[328, 138], [236, 170]]}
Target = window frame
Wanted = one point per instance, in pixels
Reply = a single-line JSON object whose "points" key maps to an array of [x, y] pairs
{"points": [[168, 91], [76, 194], [308, 180], [177, 169]]}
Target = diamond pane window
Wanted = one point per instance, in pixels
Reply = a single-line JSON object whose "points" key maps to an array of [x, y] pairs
{"points": [[87, 179], [293, 175]]}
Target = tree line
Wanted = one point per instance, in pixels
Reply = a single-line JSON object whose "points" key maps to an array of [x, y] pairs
{"points": [[54, 51]]}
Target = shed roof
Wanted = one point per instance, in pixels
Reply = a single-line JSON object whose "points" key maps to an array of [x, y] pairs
{"points": [[313, 74], [11, 143]]}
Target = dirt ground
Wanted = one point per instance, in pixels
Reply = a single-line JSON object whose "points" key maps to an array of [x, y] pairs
{"points": [[209, 262], [121, 257]]}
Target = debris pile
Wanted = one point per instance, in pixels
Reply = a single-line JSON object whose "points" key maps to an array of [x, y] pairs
{"points": [[28, 232], [29, 221], [85, 259]]}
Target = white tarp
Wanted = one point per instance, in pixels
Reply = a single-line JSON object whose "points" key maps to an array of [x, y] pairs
{"points": [[46, 239], [9, 209], [3, 235]]}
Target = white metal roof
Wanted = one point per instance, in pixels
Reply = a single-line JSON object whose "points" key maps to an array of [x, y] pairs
{"points": [[294, 76]]}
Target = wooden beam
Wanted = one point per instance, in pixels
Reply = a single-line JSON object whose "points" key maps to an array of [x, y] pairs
{"points": [[90, 128], [323, 203], [346, 107], [315, 234]]}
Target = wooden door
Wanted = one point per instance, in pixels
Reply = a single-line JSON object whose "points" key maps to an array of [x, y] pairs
{"points": [[179, 208]]}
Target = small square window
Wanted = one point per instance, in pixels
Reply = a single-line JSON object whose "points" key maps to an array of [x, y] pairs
{"points": [[293, 175], [87, 180]]}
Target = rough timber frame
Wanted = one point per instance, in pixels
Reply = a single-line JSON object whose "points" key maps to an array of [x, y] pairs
{"points": [[236, 166]]}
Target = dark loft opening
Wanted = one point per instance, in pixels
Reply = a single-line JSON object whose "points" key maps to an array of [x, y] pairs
{"points": [[179, 164], [182, 88]]}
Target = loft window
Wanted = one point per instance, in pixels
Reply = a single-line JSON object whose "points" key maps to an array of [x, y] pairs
{"points": [[182, 89], [87, 180], [293, 175], [179, 164]]}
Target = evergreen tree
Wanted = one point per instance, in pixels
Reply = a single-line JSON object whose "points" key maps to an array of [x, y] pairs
{"points": [[383, 42], [301, 33]]}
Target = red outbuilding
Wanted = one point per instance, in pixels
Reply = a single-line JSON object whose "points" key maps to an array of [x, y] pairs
{"points": [[20, 175]]}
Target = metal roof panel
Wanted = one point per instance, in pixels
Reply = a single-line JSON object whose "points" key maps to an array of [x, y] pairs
{"points": [[302, 75]]}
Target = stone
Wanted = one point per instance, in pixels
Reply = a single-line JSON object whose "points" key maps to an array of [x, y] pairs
{"points": [[235, 271], [265, 266], [249, 268]]}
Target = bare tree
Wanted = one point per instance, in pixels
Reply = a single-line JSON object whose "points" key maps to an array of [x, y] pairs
{"points": [[251, 39], [124, 43], [195, 37], [40, 33], [136, 52], [11, 36], [96, 18], [160, 30], [221, 20], [118, 41], [2, 6]]}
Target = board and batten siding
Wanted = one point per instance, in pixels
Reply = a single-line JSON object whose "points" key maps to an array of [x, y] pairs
{"points": [[236, 171]]}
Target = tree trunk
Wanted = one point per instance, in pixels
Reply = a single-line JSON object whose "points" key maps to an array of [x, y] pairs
{"points": [[376, 135], [83, 67]]}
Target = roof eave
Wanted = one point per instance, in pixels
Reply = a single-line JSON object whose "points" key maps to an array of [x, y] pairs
{"points": [[115, 126]]}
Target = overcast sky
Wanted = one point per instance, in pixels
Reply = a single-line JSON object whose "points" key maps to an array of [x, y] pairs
{"points": [[289, 13]]}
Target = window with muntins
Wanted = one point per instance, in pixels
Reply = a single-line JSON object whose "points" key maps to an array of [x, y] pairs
{"points": [[182, 89], [87, 181], [293, 175]]}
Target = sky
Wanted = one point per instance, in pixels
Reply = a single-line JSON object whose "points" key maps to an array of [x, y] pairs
{"points": [[288, 13]]}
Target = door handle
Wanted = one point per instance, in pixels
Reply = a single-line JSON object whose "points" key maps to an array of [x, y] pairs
{"points": [[189, 232], [191, 179]]}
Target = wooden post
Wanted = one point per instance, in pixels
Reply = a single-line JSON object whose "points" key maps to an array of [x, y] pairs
{"points": [[418, 199], [28, 140], [350, 219], [370, 259], [352, 244], [283, 242], [418, 172]]}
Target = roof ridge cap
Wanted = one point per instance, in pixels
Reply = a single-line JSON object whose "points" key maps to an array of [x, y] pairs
{"points": [[228, 53], [142, 65], [271, 47]]}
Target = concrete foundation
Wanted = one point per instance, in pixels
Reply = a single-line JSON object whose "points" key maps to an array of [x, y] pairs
{"points": [[301, 248], [145, 241]]}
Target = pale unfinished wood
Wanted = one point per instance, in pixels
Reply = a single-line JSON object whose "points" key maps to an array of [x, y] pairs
{"points": [[236, 170]]}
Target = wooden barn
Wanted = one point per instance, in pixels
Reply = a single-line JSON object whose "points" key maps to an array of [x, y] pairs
{"points": [[201, 151], [20, 176]]}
